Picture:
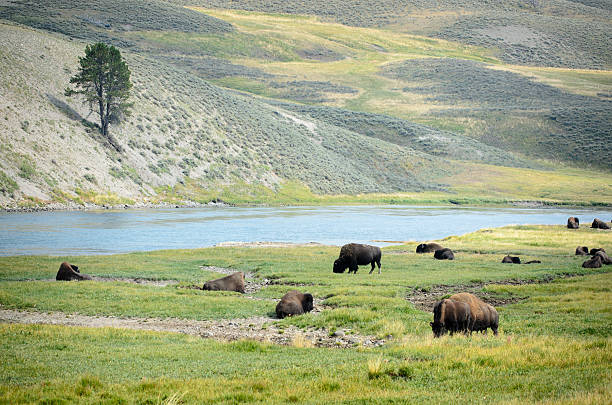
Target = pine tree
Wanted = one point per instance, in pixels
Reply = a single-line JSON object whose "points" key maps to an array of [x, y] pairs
{"points": [[104, 80]]}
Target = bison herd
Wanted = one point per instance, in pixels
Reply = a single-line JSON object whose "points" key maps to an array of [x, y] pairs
{"points": [[462, 312]]}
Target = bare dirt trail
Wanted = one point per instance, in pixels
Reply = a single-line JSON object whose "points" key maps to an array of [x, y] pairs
{"points": [[426, 299], [254, 328]]}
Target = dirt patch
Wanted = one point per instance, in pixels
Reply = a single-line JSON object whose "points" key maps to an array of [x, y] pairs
{"points": [[138, 280], [425, 299], [257, 328]]}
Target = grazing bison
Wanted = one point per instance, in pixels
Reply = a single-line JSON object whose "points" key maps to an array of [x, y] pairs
{"points": [[233, 282], [428, 247], [444, 254], [69, 272], [533, 261], [598, 223], [573, 223], [483, 315], [605, 259], [593, 263], [353, 255], [582, 251], [594, 251], [451, 316], [511, 259], [294, 303]]}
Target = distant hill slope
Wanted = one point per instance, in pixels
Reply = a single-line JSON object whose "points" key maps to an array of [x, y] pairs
{"points": [[559, 33], [182, 128]]}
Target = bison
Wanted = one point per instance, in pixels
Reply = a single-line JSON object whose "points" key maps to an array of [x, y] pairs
{"points": [[598, 223], [593, 263], [233, 282], [294, 303], [444, 254], [69, 272], [594, 251], [573, 223], [483, 315], [353, 255], [452, 316], [428, 247], [511, 259], [605, 259], [582, 251]]}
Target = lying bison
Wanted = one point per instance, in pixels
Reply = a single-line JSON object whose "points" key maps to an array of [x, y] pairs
{"points": [[294, 303], [444, 254], [605, 259], [233, 282], [452, 316], [511, 259], [594, 251], [428, 247], [598, 223], [483, 315], [582, 251], [69, 272], [354, 255], [573, 223], [593, 263]]}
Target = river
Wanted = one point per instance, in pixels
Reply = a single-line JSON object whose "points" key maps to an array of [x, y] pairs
{"points": [[109, 232]]}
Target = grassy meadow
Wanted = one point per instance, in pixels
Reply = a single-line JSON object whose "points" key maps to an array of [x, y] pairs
{"points": [[554, 344]]}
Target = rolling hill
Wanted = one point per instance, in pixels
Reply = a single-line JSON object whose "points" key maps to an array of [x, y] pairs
{"points": [[252, 107]]}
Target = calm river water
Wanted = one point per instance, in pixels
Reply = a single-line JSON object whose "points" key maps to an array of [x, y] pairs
{"points": [[106, 232]]}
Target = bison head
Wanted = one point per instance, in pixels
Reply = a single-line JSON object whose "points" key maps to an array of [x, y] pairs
{"points": [[421, 248], [340, 265], [307, 304], [437, 328]]}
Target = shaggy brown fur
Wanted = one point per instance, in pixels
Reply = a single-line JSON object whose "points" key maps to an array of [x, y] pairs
{"points": [[451, 316], [483, 315], [69, 272], [598, 223], [582, 251], [233, 282], [511, 259], [353, 255], [573, 223], [294, 303], [593, 263], [428, 247]]}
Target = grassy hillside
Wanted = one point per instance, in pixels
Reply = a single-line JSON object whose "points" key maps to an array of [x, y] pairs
{"points": [[553, 346], [321, 108], [558, 33]]}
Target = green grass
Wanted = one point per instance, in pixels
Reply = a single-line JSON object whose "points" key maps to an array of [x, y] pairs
{"points": [[554, 345]]}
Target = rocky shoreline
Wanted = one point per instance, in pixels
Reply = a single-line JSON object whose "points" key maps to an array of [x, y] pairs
{"points": [[72, 206]]}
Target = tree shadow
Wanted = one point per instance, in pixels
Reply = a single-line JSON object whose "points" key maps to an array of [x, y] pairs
{"points": [[65, 108]]}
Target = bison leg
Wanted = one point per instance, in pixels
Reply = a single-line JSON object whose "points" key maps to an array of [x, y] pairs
{"points": [[353, 267]]}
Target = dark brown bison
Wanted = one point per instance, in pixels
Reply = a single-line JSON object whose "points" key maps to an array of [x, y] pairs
{"points": [[451, 316], [582, 251], [233, 282], [294, 303], [593, 263], [69, 272], [573, 223], [598, 223], [483, 315], [605, 259], [511, 259], [353, 255], [594, 251], [428, 247], [444, 254]]}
